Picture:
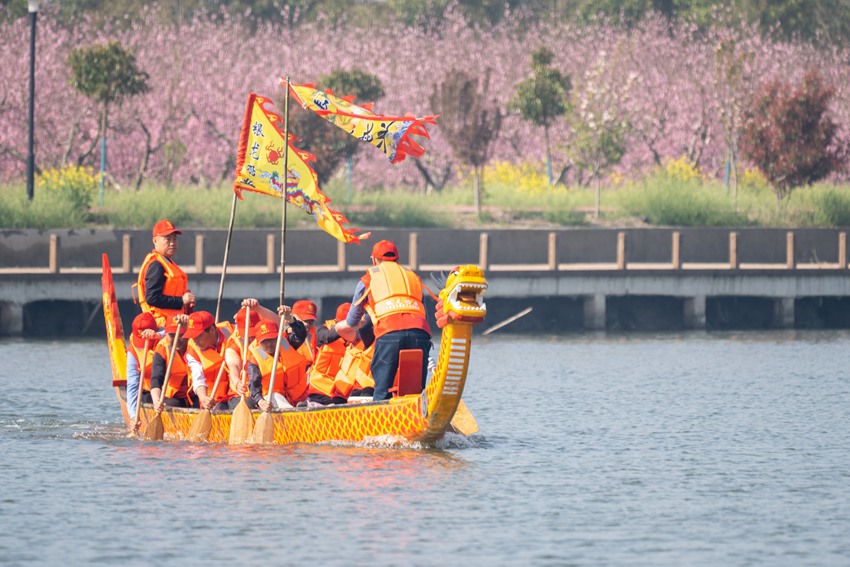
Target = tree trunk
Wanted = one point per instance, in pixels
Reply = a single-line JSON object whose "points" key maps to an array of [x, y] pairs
{"points": [[477, 192], [548, 154]]}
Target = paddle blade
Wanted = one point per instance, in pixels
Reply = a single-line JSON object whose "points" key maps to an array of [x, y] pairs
{"points": [[241, 424], [155, 430], [263, 429], [463, 422], [201, 426]]}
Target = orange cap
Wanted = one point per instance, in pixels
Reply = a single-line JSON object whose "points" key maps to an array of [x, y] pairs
{"points": [[164, 228], [199, 321], [304, 310], [266, 330], [171, 326], [342, 311], [240, 320], [385, 250], [143, 321]]}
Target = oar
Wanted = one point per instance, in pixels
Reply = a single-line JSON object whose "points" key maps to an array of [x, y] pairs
{"points": [[136, 422], [202, 424], [155, 429], [264, 428], [509, 320], [463, 422], [242, 422]]}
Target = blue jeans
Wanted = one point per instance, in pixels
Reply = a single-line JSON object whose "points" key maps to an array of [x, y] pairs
{"points": [[385, 358]]}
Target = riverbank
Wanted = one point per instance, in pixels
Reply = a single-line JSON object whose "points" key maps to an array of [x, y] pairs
{"points": [[662, 199]]}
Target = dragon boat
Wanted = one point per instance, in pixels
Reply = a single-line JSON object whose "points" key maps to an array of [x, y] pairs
{"points": [[423, 417]]}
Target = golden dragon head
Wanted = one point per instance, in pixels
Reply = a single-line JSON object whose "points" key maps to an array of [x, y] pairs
{"points": [[462, 297]]}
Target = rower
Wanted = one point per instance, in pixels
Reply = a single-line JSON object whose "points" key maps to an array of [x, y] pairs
{"points": [[177, 393], [204, 358], [144, 331], [290, 385], [233, 346]]}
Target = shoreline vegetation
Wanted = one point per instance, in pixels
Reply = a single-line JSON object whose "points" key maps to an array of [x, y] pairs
{"points": [[512, 197]]}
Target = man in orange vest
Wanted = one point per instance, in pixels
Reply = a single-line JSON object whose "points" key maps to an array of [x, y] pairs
{"points": [[233, 346], [204, 356], [163, 288], [330, 351], [138, 370], [290, 385], [176, 393], [392, 296], [306, 310]]}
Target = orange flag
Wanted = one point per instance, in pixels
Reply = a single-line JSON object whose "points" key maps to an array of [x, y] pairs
{"points": [[259, 168]]}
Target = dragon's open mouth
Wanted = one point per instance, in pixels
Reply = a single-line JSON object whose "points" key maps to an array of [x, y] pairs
{"points": [[464, 294]]}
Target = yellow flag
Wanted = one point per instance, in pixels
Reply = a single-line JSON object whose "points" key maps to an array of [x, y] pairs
{"points": [[259, 168]]}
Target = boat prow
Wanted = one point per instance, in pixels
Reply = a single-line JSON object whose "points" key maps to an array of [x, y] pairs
{"points": [[422, 417]]}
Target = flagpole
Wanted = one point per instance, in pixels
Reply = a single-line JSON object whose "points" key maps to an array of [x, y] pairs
{"points": [[226, 253], [285, 180]]}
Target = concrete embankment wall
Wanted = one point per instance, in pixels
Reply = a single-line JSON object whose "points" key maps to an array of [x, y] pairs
{"points": [[574, 279]]}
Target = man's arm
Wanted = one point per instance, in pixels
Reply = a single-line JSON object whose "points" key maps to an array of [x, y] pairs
{"points": [[325, 336], [297, 333]]}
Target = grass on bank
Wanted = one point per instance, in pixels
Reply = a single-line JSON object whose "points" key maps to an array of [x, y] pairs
{"points": [[512, 196]]}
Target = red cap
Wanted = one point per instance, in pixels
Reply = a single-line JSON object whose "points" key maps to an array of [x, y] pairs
{"points": [[342, 311], [199, 321], [266, 330], [164, 228], [171, 326], [304, 310], [385, 250], [240, 320], [142, 322]]}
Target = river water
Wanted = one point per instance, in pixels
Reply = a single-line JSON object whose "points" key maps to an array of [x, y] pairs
{"points": [[673, 449]]}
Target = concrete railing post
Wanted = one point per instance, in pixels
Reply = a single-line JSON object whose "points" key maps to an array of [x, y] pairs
{"points": [[842, 250], [413, 254], [621, 250], [341, 264], [733, 250], [127, 254], [483, 251], [53, 256], [789, 250], [676, 258], [552, 260], [199, 254], [271, 264]]}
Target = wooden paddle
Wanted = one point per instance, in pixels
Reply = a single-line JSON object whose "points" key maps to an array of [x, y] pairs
{"points": [[242, 422], [264, 428], [155, 430], [463, 422], [142, 363], [202, 424]]}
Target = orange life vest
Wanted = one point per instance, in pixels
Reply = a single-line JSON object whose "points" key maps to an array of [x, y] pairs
{"points": [[394, 299], [211, 359], [146, 371], [176, 283], [326, 365], [355, 369], [226, 330], [291, 374], [178, 381]]}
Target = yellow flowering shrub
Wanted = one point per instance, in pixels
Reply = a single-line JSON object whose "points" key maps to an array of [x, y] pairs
{"points": [[682, 169], [527, 178], [754, 179], [74, 183]]}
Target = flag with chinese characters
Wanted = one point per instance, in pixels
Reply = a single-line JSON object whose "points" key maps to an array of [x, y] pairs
{"points": [[259, 168], [390, 134]]}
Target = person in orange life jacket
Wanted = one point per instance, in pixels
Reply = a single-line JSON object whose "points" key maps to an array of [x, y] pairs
{"points": [[144, 331], [163, 286], [233, 346], [177, 394], [330, 348], [392, 296], [204, 358], [305, 311], [291, 380]]}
